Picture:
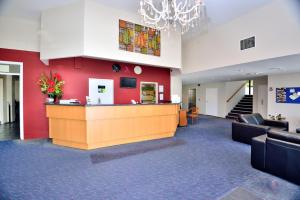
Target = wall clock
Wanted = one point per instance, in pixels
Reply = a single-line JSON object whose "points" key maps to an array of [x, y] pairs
{"points": [[137, 70]]}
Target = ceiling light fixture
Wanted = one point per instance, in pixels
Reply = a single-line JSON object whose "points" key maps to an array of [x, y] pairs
{"points": [[164, 14]]}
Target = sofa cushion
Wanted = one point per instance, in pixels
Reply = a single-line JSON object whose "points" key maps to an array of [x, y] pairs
{"points": [[258, 118], [247, 118], [285, 136], [278, 128]]}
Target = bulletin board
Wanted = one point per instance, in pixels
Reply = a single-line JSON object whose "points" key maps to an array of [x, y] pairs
{"points": [[288, 95]]}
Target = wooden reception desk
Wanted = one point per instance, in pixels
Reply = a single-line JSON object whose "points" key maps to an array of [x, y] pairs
{"points": [[91, 127]]}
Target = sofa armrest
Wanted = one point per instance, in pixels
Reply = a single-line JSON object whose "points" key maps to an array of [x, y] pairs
{"points": [[243, 132], [277, 123], [283, 159]]}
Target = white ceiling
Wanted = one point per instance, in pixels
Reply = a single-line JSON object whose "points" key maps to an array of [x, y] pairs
{"points": [[247, 71], [218, 11]]}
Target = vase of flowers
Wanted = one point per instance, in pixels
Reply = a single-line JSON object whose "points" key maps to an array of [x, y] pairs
{"points": [[52, 86]]}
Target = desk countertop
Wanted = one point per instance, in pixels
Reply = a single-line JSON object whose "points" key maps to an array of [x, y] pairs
{"points": [[91, 105]]}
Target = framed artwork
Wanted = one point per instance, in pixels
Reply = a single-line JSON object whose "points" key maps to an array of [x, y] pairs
{"points": [[126, 35], [139, 39], [154, 42], [288, 95]]}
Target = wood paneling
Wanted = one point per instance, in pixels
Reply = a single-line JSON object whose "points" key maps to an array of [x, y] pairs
{"points": [[89, 127]]}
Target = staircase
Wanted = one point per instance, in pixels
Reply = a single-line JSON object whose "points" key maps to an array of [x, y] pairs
{"points": [[245, 106]]}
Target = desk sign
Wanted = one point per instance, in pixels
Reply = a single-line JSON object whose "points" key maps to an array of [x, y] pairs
{"points": [[288, 95]]}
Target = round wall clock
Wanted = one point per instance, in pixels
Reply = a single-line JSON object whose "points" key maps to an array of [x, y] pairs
{"points": [[137, 70]]}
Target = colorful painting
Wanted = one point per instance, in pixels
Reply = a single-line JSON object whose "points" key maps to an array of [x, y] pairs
{"points": [[138, 38], [126, 35], [154, 42]]}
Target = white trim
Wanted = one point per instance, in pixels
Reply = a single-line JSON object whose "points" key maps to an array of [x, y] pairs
{"points": [[21, 93], [156, 90]]}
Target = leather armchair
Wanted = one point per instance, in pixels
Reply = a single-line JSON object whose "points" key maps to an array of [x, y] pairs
{"points": [[244, 133], [283, 155], [253, 125]]}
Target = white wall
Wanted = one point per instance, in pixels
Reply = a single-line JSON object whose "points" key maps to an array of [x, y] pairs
{"points": [[274, 25], [176, 83], [19, 34], [100, 36], [290, 111]]}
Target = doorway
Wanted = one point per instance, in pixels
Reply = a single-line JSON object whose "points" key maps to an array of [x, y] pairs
{"points": [[192, 98], [262, 97], [11, 101], [211, 101], [149, 92]]}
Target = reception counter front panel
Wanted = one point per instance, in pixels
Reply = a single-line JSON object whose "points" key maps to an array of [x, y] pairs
{"points": [[90, 127]]}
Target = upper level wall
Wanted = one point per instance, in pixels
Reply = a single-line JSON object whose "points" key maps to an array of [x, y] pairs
{"points": [[101, 38], [62, 31], [89, 29], [19, 34], [275, 26]]}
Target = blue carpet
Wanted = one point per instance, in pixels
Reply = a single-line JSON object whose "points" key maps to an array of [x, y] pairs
{"points": [[206, 165]]}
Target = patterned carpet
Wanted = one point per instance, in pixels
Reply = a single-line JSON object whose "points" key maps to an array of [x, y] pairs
{"points": [[201, 162]]}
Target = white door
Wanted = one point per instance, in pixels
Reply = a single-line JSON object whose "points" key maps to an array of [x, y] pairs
{"points": [[211, 101], [262, 100], [101, 91]]}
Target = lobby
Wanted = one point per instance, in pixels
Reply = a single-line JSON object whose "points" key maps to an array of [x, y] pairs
{"points": [[96, 102]]}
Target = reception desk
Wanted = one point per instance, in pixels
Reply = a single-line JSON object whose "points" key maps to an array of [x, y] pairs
{"points": [[91, 127]]}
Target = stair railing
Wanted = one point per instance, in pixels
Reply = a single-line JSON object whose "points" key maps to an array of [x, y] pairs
{"points": [[237, 91]]}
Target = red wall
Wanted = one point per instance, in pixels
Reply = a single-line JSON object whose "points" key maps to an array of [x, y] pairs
{"points": [[75, 72]]}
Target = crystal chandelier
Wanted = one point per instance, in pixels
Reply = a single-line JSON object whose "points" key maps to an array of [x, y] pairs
{"points": [[164, 14]]}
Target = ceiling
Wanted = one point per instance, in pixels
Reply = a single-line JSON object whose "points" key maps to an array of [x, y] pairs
{"points": [[218, 11], [246, 71]]}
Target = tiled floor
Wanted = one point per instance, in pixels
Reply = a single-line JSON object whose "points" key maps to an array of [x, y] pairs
{"points": [[9, 131]]}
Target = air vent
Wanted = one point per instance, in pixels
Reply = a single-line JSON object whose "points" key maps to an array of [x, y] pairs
{"points": [[248, 43]]}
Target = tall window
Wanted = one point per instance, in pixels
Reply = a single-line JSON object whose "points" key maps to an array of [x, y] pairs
{"points": [[249, 88]]}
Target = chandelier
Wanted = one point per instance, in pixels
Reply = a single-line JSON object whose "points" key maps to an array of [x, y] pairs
{"points": [[164, 14]]}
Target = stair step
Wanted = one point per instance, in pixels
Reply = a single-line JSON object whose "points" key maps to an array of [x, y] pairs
{"points": [[243, 107], [230, 117], [241, 112], [233, 114], [246, 100]]}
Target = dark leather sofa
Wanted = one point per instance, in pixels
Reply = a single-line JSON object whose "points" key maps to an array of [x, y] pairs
{"points": [[253, 125], [277, 153]]}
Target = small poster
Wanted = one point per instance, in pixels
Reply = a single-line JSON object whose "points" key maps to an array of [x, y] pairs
{"points": [[161, 88], [161, 97], [288, 95]]}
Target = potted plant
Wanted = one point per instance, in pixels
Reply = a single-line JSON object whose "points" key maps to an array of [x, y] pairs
{"points": [[52, 86]]}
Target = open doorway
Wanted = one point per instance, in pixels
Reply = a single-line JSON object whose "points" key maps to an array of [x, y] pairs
{"points": [[149, 92], [192, 98], [11, 101]]}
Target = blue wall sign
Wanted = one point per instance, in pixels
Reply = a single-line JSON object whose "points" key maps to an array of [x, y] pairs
{"points": [[288, 95]]}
